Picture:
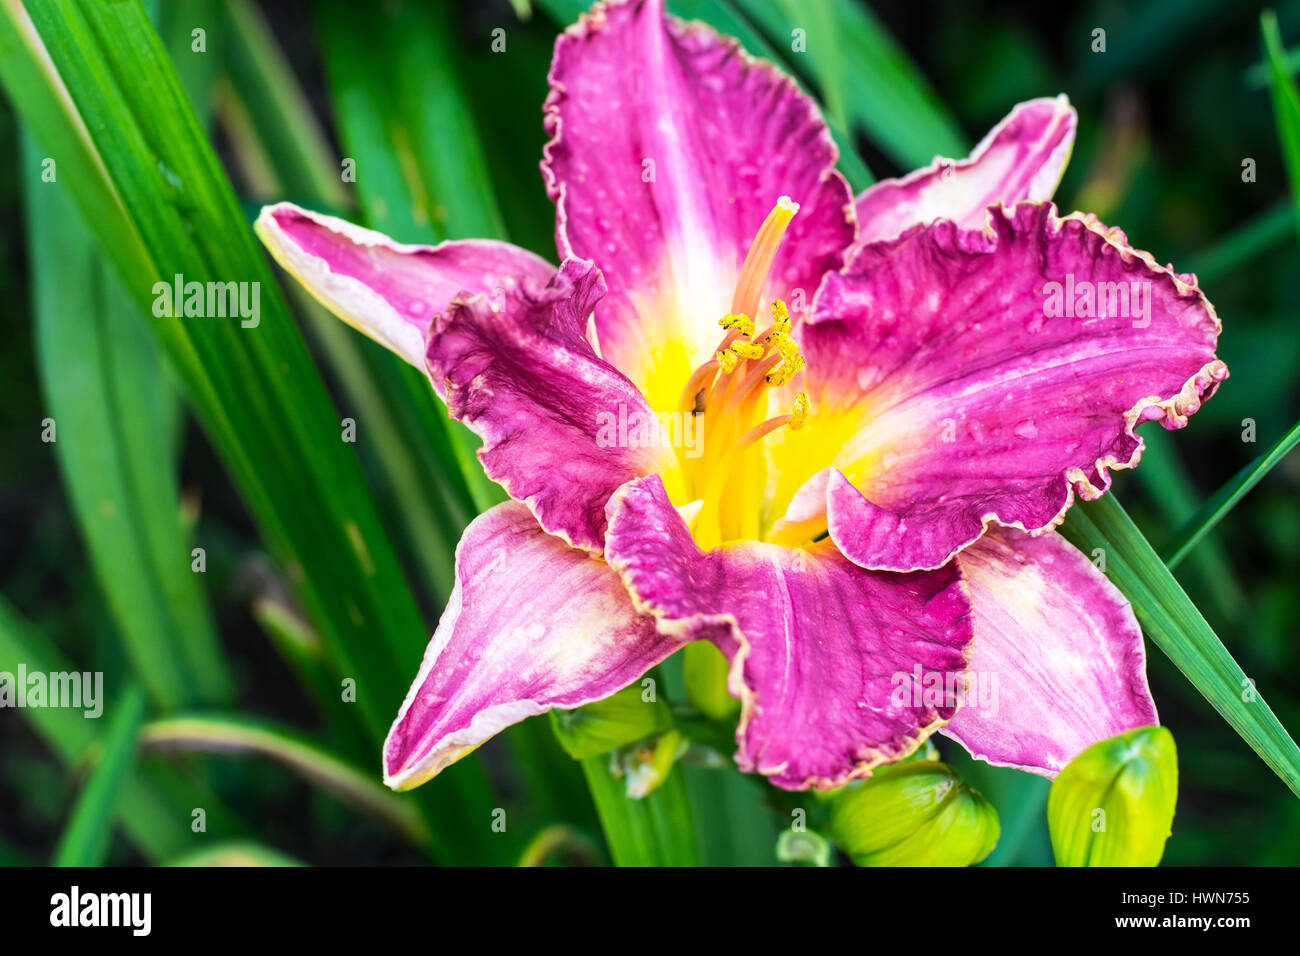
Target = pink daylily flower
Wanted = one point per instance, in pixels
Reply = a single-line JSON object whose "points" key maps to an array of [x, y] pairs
{"points": [[894, 404]]}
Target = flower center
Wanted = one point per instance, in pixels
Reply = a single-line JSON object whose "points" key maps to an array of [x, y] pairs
{"points": [[728, 395]]}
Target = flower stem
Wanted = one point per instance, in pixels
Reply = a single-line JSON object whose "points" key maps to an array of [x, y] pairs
{"points": [[655, 830]]}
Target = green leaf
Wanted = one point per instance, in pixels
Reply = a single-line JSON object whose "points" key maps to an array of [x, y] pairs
{"points": [[1225, 499], [1169, 618], [421, 183], [236, 734], [734, 823], [235, 853], [1286, 104], [84, 841], [608, 724], [279, 149], [883, 92], [300, 648], [38, 92], [262, 79], [1163, 477], [1113, 804], [155, 825], [252, 386], [560, 840], [655, 830], [254, 389], [108, 395], [705, 671], [1244, 244]]}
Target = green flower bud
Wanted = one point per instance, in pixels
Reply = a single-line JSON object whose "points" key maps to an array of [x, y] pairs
{"points": [[1113, 804], [803, 849], [705, 672], [646, 765], [914, 814], [632, 714]]}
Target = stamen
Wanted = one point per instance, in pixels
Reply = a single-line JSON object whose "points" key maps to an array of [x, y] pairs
{"points": [[758, 431], [728, 475], [753, 274], [699, 382], [780, 317], [800, 412], [787, 370], [738, 321]]}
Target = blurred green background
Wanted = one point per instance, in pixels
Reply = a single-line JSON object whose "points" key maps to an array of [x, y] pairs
{"points": [[448, 135]]}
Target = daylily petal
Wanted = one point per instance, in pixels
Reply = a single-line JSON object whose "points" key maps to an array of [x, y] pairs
{"points": [[669, 147], [1058, 662], [830, 661], [385, 289], [531, 624], [1020, 158], [520, 374], [951, 399]]}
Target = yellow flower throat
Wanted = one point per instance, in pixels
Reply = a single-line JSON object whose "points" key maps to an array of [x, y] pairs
{"points": [[728, 395]]}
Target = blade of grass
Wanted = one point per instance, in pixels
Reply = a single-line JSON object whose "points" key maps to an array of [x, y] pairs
{"points": [[1163, 478], [300, 648], [387, 119], [1217, 506], [106, 391], [405, 423], [884, 93], [557, 840], [10, 855], [254, 390], [84, 842], [263, 80], [155, 824], [242, 735], [733, 825], [1170, 619], [197, 69], [235, 853], [408, 179], [1268, 229], [281, 151], [1286, 104], [1152, 32], [655, 830]]}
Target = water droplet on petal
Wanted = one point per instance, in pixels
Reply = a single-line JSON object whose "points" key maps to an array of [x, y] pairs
{"points": [[1026, 429]]}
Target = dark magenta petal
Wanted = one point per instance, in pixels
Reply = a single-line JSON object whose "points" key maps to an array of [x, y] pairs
{"points": [[388, 290], [1021, 158], [519, 372], [1058, 662], [531, 624], [839, 669], [669, 147], [961, 379]]}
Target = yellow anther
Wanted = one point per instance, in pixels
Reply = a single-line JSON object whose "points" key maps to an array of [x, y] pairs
{"points": [[800, 411], [728, 360], [788, 348], [747, 350], [780, 318], [782, 374], [738, 321]]}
